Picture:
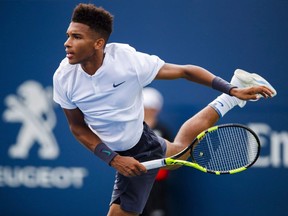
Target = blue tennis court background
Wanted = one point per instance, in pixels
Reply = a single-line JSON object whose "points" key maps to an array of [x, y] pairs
{"points": [[218, 35]]}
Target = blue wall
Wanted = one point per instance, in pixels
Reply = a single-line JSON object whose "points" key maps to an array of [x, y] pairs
{"points": [[221, 36]]}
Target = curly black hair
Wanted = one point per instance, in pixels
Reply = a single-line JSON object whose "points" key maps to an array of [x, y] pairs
{"points": [[97, 18]]}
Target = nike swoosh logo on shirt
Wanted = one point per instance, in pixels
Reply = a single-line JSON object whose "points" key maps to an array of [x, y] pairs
{"points": [[118, 84]]}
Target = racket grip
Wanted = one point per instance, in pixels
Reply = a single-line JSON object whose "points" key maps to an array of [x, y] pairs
{"points": [[154, 164]]}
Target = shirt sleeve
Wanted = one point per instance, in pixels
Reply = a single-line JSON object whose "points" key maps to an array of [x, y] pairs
{"points": [[60, 96], [147, 67]]}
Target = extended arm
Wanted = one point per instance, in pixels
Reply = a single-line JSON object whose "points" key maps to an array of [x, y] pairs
{"points": [[190, 72], [202, 76]]}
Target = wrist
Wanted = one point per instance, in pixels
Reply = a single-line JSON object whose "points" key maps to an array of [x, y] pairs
{"points": [[233, 91], [222, 85], [104, 153]]}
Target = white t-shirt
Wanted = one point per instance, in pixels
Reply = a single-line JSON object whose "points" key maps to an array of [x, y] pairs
{"points": [[111, 99]]}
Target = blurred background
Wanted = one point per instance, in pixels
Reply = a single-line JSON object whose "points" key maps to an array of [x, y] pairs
{"points": [[44, 171]]}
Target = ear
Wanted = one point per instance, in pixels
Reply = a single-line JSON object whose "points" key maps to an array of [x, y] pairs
{"points": [[99, 43]]}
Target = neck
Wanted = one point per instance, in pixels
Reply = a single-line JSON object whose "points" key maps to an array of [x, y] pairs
{"points": [[91, 66]]}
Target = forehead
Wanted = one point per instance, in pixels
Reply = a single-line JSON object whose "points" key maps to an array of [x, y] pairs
{"points": [[79, 28]]}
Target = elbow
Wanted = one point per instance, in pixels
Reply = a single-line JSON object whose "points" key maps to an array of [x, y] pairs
{"points": [[189, 71], [75, 130]]}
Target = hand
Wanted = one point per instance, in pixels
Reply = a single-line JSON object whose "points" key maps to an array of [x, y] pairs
{"points": [[128, 166], [251, 93]]}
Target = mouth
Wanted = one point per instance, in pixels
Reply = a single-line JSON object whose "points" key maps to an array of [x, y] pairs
{"points": [[69, 54]]}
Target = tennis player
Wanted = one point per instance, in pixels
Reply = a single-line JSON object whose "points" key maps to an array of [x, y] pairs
{"points": [[99, 86]]}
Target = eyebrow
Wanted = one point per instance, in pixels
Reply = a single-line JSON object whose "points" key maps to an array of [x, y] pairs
{"points": [[74, 33]]}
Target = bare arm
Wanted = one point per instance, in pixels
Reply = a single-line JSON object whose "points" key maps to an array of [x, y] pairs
{"points": [[80, 130], [127, 166], [202, 76], [190, 72]]}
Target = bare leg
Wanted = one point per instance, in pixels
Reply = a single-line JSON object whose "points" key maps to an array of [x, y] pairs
{"points": [[204, 119], [115, 210]]}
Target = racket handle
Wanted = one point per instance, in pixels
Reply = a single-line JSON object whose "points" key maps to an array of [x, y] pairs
{"points": [[153, 164]]}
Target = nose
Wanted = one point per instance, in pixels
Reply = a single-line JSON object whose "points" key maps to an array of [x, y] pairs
{"points": [[67, 42]]}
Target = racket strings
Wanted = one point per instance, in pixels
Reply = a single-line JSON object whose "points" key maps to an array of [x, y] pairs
{"points": [[225, 149]]}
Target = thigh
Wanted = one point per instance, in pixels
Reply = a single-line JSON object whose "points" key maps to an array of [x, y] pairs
{"points": [[204, 119], [131, 193], [173, 148]]}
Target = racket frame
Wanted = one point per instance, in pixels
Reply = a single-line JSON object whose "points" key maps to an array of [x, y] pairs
{"points": [[172, 161]]}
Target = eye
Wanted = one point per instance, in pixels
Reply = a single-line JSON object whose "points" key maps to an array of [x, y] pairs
{"points": [[77, 36]]}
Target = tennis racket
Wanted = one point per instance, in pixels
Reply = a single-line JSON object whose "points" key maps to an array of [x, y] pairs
{"points": [[222, 149]]}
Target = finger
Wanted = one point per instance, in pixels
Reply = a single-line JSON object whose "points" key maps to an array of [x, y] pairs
{"points": [[126, 174], [266, 94], [269, 92], [130, 173], [139, 169], [127, 171], [262, 91], [135, 173], [263, 94], [142, 169]]}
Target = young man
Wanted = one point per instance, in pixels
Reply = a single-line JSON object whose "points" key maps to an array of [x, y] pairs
{"points": [[99, 86]]}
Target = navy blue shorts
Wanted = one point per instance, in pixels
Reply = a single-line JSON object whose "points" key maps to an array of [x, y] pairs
{"points": [[131, 193]]}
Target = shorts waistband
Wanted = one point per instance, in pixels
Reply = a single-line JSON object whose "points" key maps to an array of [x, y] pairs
{"points": [[134, 149]]}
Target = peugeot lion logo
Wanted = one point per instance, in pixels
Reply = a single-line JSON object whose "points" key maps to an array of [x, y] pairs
{"points": [[33, 108]]}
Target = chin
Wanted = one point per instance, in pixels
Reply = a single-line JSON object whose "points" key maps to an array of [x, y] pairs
{"points": [[72, 62]]}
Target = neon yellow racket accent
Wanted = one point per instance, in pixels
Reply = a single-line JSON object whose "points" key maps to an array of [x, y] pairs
{"points": [[222, 149], [170, 161]]}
